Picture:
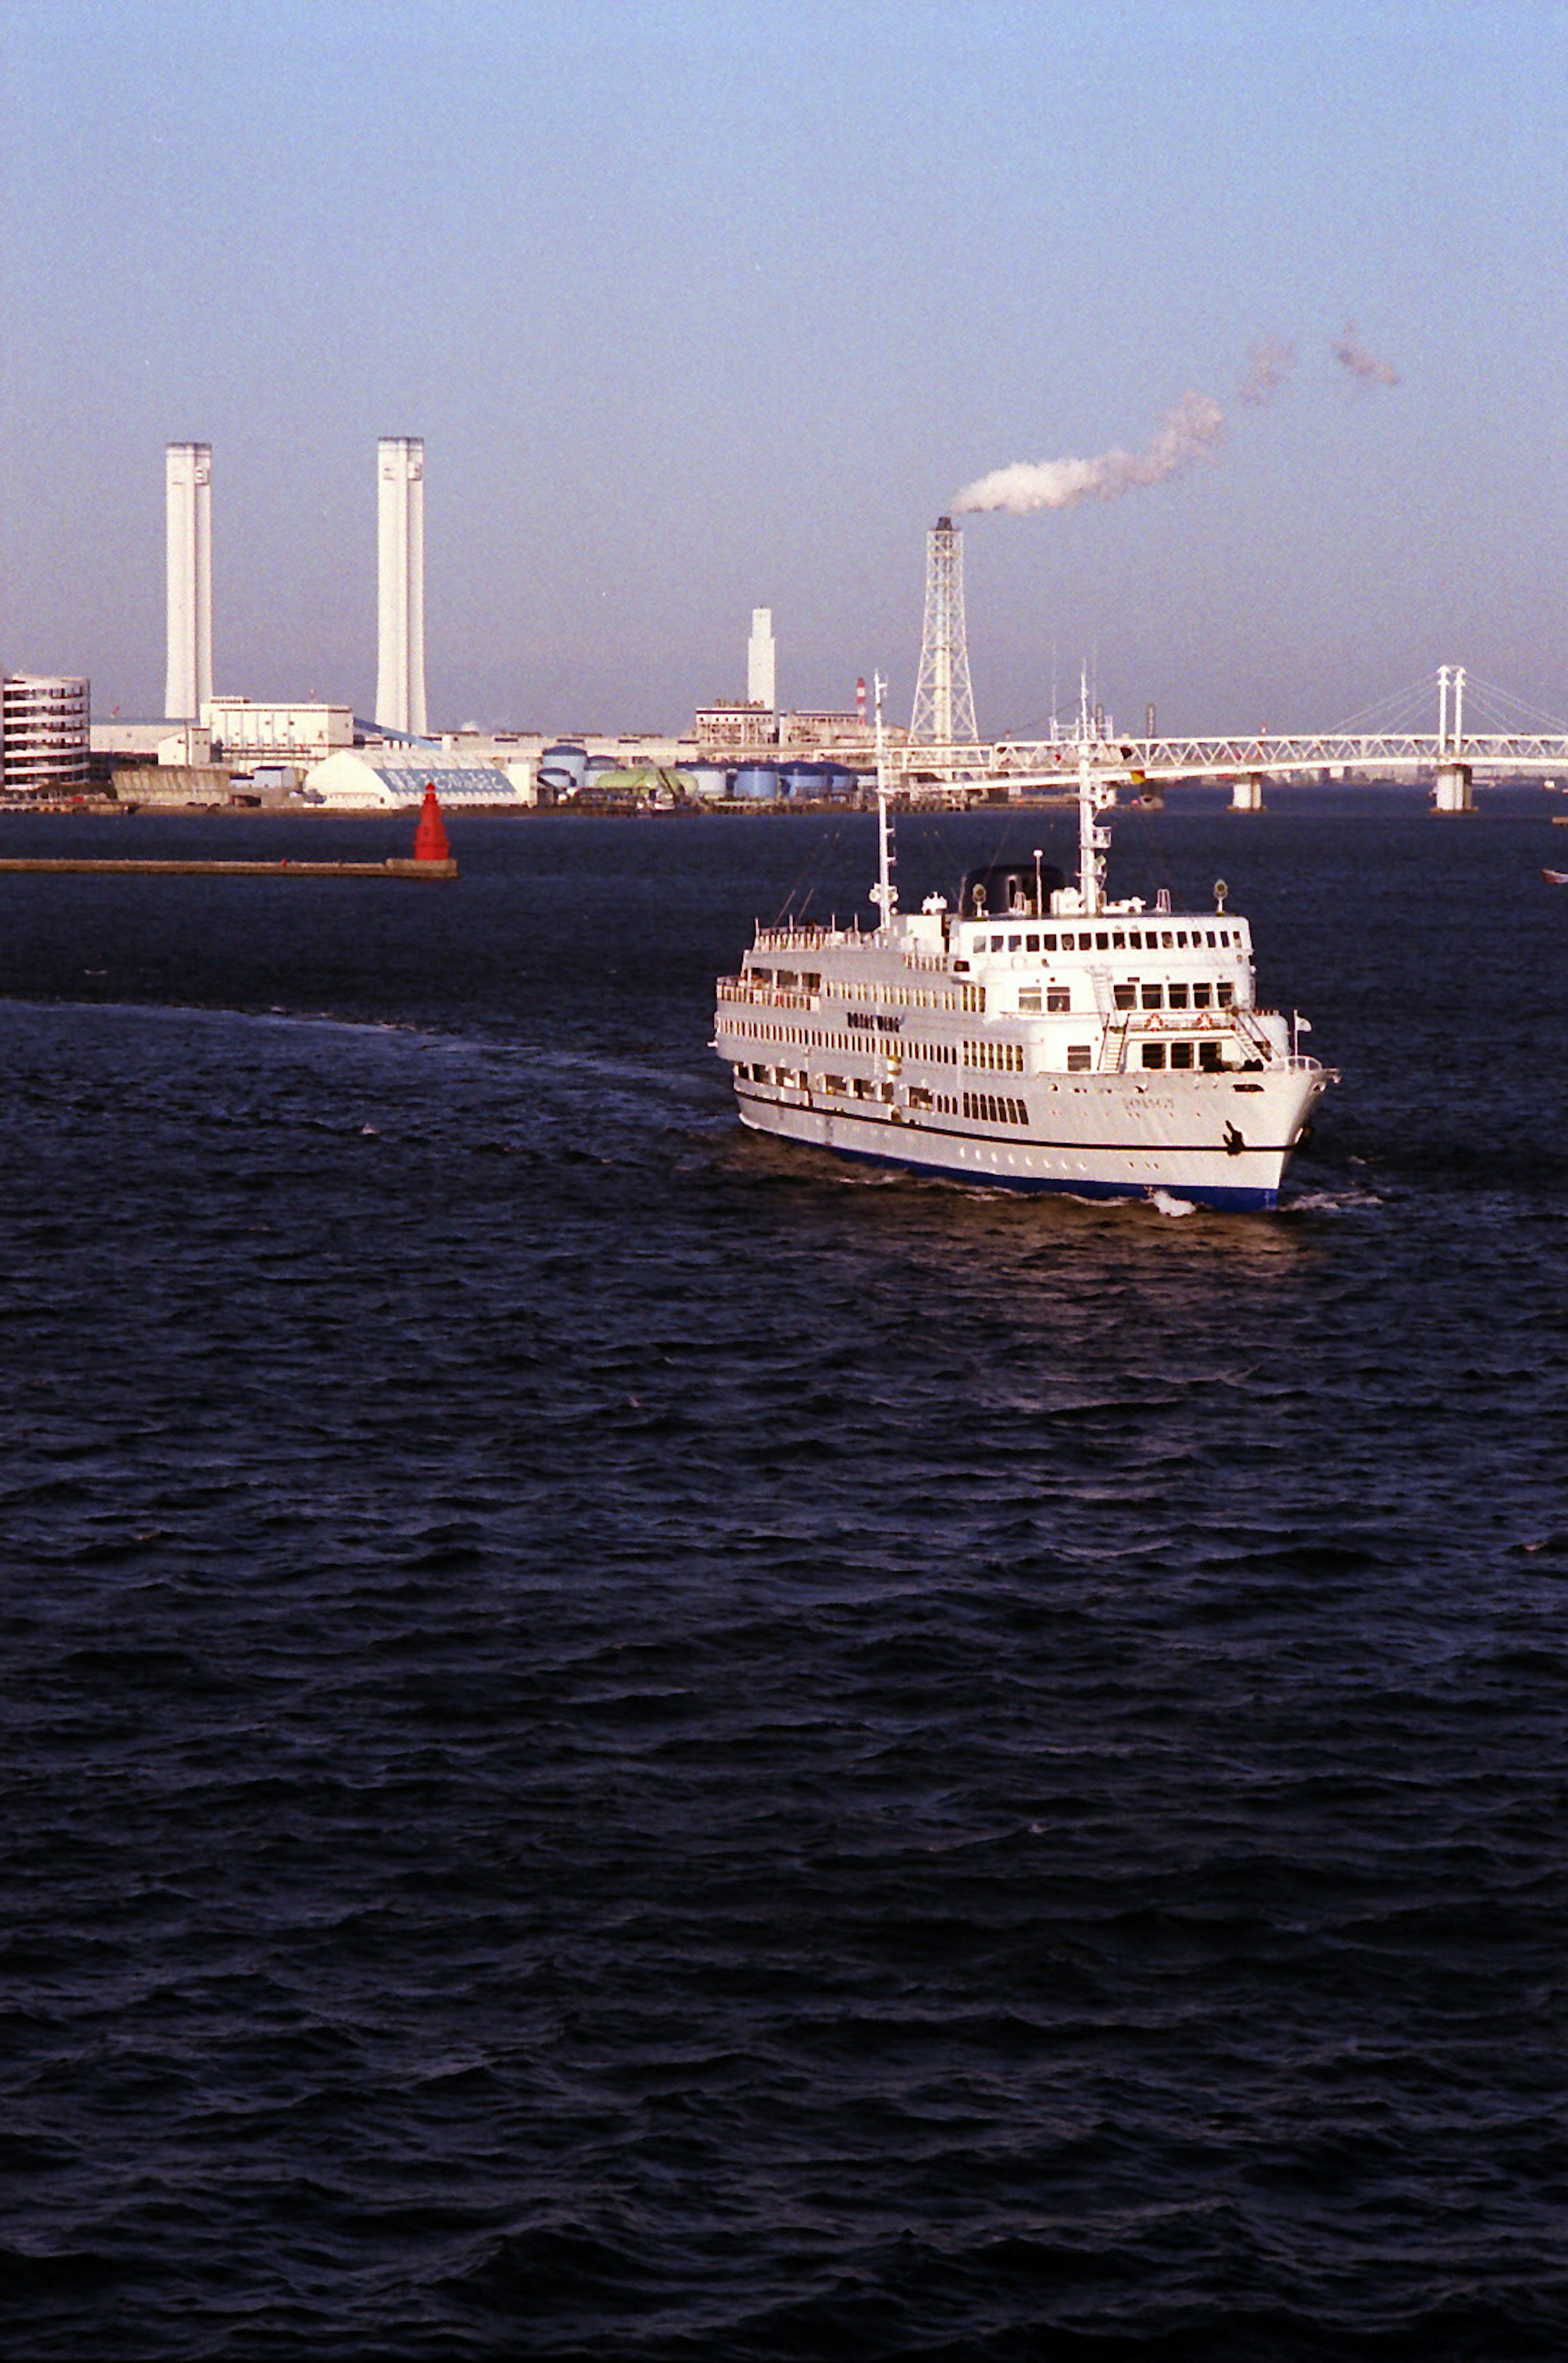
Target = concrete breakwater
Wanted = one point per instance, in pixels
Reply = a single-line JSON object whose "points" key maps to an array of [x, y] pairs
{"points": [[285, 868]]}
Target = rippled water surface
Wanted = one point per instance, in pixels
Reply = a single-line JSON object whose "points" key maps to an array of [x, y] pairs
{"points": [[623, 1743]]}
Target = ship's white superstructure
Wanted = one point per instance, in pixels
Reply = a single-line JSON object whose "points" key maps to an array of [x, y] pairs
{"points": [[1038, 1036]]}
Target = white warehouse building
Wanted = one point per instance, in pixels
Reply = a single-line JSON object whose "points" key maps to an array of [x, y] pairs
{"points": [[355, 782], [308, 733]]}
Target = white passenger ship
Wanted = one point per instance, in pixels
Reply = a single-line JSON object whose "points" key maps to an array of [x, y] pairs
{"points": [[1037, 1037]]}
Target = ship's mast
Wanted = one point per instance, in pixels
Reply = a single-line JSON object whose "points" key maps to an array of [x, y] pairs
{"points": [[885, 894], [1095, 796]]}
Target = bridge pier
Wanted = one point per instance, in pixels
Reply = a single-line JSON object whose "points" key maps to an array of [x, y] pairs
{"points": [[1247, 796], [1451, 792]]}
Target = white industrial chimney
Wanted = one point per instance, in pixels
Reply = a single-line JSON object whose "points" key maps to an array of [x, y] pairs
{"points": [[188, 475], [761, 688], [400, 519]]}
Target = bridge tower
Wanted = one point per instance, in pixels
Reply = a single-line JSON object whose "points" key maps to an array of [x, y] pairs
{"points": [[1451, 787], [945, 701]]}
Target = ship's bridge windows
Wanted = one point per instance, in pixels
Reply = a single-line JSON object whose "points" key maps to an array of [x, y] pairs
{"points": [[1028, 1001], [1102, 943], [1225, 995], [1181, 1054], [1153, 996], [1153, 1054], [1057, 997], [1177, 996], [1202, 995], [1014, 943], [1208, 1057], [1031, 943], [1080, 1056], [1118, 943], [1126, 997], [1048, 943], [810, 981], [761, 975]]}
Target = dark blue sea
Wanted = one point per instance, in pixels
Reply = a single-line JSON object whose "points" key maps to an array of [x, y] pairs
{"points": [[622, 1743]]}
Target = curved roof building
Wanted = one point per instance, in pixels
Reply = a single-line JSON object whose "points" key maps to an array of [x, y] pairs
{"points": [[356, 781]]}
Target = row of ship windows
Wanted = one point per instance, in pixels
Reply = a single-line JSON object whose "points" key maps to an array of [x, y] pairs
{"points": [[985, 1107], [977, 1107], [1180, 1054], [1115, 939], [1008, 1056], [1004, 1056], [811, 1037], [982, 1105], [893, 996], [970, 997], [1174, 996], [1052, 999]]}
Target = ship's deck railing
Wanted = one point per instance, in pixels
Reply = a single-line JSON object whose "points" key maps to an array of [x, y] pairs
{"points": [[764, 996], [807, 939]]}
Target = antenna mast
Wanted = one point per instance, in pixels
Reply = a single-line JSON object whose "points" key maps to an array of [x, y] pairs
{"points": [[945, 701], [885, 894], [1096, 795]]}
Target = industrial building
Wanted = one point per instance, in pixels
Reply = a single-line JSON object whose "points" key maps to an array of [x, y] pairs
{"points": [[188, 483], [45, 736], [734, 722], [385, 781], [243, 732]]}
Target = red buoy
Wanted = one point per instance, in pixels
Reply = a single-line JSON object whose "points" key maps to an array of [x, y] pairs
{"points": [[431, 836]]}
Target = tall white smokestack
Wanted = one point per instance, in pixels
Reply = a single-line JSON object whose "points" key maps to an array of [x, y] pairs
{"points": [[400, 522], [761, 687], [188, 478]]}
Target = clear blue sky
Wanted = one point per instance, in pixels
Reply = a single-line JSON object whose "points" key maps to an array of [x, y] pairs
{"points": [[702, 306]]}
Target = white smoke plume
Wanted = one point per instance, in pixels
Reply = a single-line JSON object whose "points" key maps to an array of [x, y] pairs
{"points": [[1189, 434], [1365, 367], [1269, 363]]}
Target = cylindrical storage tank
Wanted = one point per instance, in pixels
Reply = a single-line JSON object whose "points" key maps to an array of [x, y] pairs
{"points": [[756, 783], [556, 782], [803, 781], [566, 756], [597, 765], [709, 780], [841, 780]]}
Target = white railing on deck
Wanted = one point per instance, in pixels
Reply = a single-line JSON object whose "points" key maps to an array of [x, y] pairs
{"points": [[805, 939]]}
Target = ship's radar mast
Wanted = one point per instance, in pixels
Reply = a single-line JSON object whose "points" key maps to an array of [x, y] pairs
{"points": [[1097, 794], [884, 894]]}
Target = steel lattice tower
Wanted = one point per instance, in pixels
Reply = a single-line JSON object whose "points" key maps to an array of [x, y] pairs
{"points": [[945, 701]]}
